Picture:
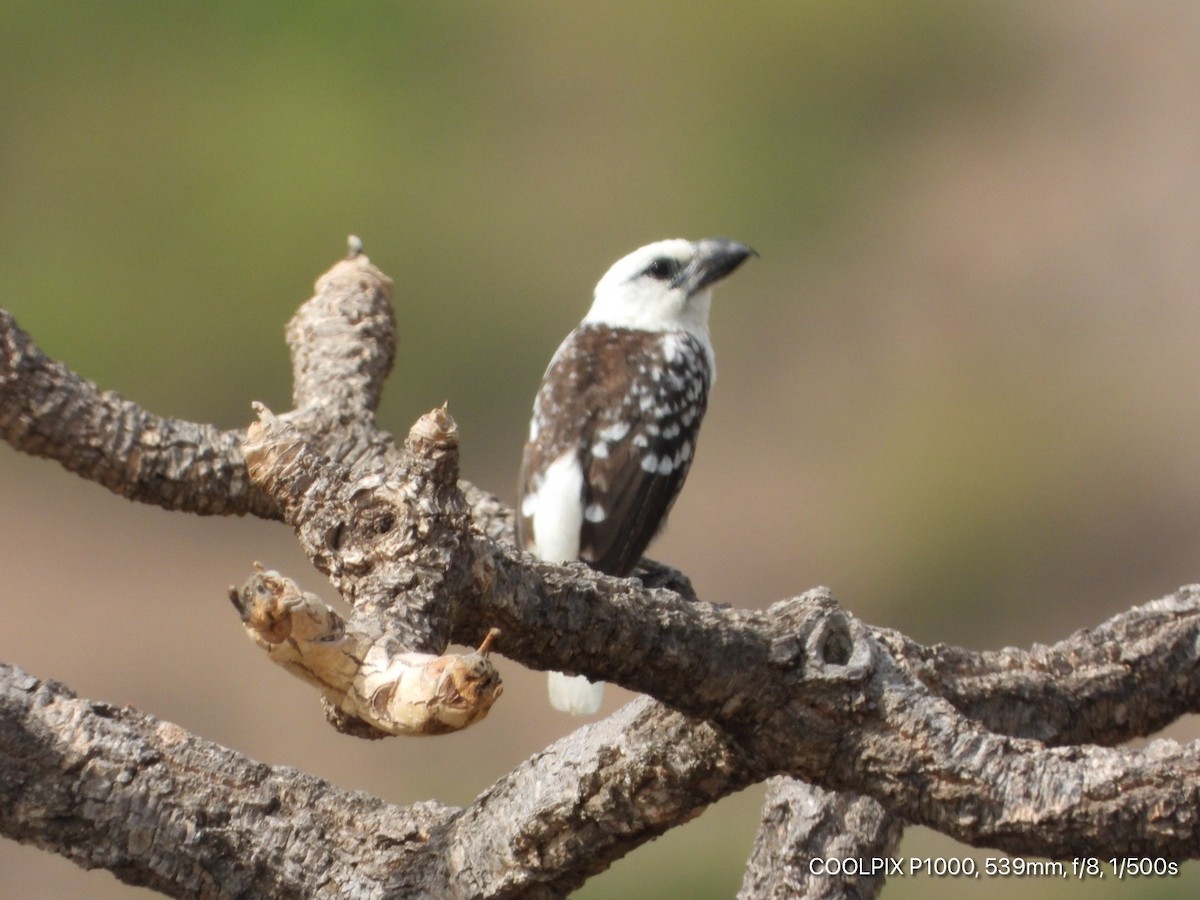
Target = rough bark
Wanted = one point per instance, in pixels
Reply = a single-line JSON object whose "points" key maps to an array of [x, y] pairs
{"points": [[803, 825], [49, 411], [117, 789], [861, 729]]}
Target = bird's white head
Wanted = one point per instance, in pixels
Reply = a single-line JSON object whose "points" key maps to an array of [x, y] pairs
{"points": [[665, 286]]}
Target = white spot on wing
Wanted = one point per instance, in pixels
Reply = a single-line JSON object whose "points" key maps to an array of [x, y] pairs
{"points": [[595, 513], [614, 432], [600, 450], [650, 462]]}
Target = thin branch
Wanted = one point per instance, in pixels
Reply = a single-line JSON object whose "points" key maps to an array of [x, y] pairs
{"points": [[361, 674], [343, 341], [343, 344], [1128, 677]]}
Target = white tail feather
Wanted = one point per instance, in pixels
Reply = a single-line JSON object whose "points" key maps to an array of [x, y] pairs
{"points": [[574, 694]]}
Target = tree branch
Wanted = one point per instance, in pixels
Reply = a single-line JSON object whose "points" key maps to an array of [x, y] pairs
{"points": [[49, 411], [1095, 696], [112, 788], [343, 341], [1128, 677], [744, 671], [803, 825], [937, 736], [570, 811]]}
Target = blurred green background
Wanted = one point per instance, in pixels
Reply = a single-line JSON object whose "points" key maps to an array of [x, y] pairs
{"points": [[959, 387]]}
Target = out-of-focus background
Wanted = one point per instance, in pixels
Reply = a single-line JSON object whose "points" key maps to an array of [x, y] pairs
{"points": [[960, 386]]}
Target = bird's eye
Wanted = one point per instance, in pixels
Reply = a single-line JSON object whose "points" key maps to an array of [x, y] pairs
{"points": [[663, 268]]}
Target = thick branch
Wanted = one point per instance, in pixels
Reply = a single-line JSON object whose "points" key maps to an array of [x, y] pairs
{"points": [[49, 411], [1127, 677], [803, 824], [117, 789], [810, 692], [395, 542], [568, 812], [802, 688]]}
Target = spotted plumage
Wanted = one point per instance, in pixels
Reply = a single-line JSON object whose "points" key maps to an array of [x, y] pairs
{"points": [[644, 394], [616, 419]]}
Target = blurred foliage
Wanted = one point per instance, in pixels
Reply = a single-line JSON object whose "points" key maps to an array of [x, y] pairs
{"points": [[174, 175]]}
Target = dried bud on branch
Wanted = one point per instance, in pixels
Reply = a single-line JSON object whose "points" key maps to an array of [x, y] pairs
{"points": [[434, 440], [419, 693], [361, 675]]}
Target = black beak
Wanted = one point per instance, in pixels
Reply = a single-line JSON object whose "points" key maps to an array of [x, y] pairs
{"points": [[714, 259]]}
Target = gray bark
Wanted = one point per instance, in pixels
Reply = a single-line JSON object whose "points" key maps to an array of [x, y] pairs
{"points": [[861, 729]]}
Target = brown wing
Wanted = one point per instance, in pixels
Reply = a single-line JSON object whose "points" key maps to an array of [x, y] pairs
{"points": [[634, 504], [630, 483], [560, 418], [632, 413]]}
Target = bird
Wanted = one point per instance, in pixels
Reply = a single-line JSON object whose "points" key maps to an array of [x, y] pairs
{"points": [[616, 418]]}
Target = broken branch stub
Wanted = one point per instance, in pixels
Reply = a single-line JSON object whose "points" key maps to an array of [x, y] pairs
{"points": [[363, 676], [343, 342]]}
